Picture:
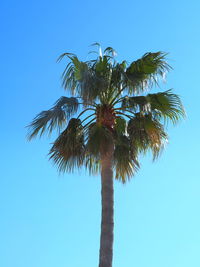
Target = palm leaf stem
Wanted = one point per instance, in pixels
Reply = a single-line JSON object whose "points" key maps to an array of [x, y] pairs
{"points": [[118, 101], [93, 114], [120, 113], [88, 123], [112, 91], [124, 109], [118, 94], [85, 111]]}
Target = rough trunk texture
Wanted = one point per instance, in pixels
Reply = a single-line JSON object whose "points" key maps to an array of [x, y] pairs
{"points": [[107, 221]]}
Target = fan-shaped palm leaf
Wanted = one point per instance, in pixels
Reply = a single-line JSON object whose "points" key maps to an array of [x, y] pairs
{"points": [[144, 72], [162, 105], [125, 160], [68, 149], [47, 121], [120, 125], [147, 133], [167, 106], [99, 139]]}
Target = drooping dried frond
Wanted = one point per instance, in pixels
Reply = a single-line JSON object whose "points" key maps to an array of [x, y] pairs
{"points": [[68, 150], [145, 72], [54, 118], [147, 133]]}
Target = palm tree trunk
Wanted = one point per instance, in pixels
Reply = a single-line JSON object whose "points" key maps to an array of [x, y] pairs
{"points": [[107, 199]]}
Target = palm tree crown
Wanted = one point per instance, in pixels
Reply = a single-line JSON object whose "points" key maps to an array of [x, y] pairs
{"points": [[114, 108]]}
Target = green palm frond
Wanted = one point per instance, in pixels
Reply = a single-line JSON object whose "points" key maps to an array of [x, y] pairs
{"points": [[110, 51], [92, 164], [69, 55], [146, 71], [87, 79], [120, 125], [68, 79], [165, 106], [99, 139], [54, 118], [74, 73], [136, 104], [147, 133], [68, 151], [117, 76], [125, 160]]}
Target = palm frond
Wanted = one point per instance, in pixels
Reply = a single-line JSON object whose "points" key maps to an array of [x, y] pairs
{"points": [[143, 73], [136, 104], [99, 46], [68, 78], [95, 44], [120, 125], [86, 79], [92, 164], [68, 151], [48, 120], [147, 133], [68, 104], [165, 106], [69, 55], [99, 139], [117, 77], [110, 51], [125, 160]]}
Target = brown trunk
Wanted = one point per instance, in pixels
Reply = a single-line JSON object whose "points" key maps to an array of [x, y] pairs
{"points": [[107, 222]]}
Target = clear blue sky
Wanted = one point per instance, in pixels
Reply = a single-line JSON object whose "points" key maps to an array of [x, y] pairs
{"points": [[51, 220]]}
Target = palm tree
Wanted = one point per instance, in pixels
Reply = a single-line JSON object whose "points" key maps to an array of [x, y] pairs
{"points": [[118, 120]]}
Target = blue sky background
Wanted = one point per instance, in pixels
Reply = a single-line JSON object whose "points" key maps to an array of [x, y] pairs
{"points": [[51, 220]]}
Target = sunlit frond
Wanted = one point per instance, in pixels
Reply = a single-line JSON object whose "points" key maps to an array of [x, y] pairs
{"points": [[136, 104], [147, 133], [55, 118], [165, 106], [68, 150], [145, 72]]}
